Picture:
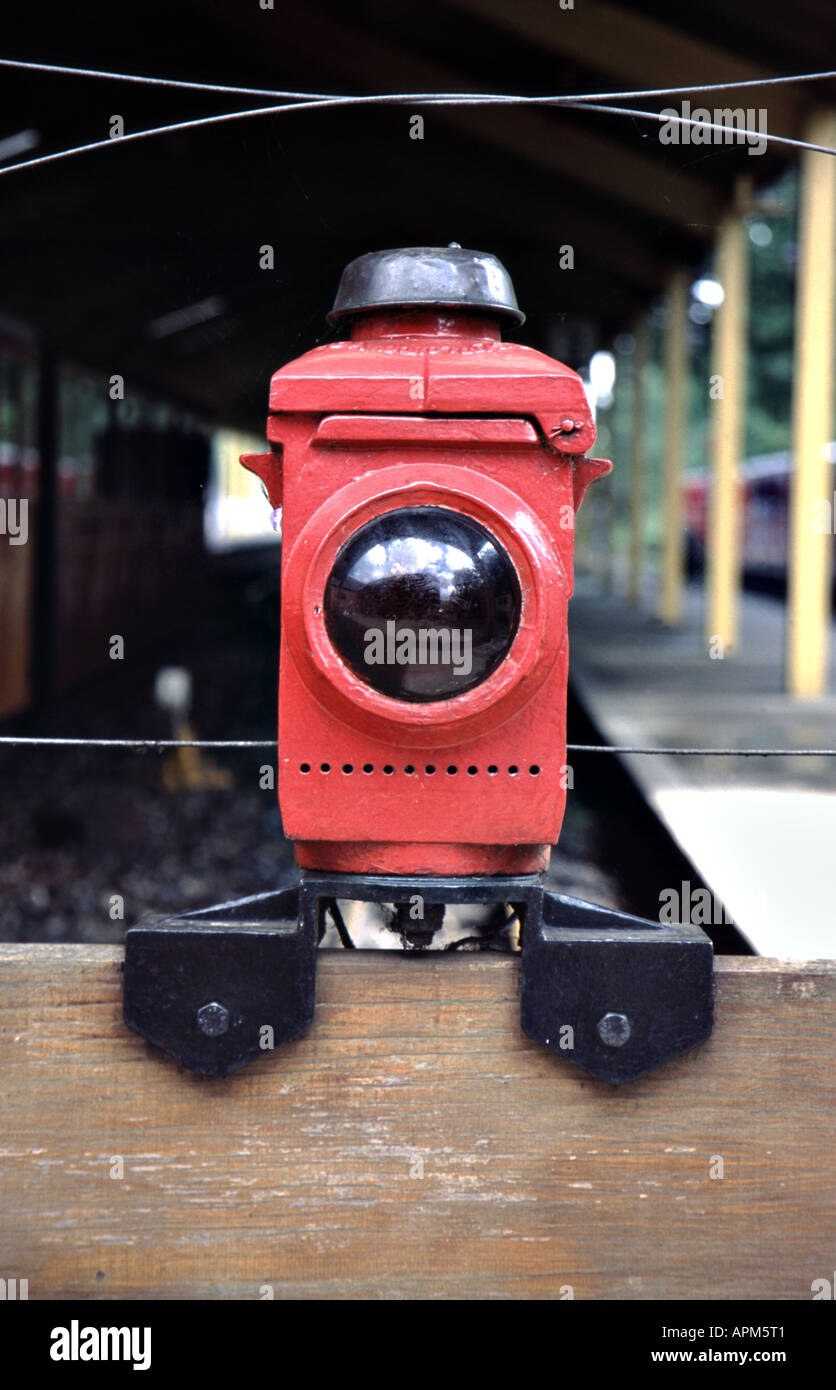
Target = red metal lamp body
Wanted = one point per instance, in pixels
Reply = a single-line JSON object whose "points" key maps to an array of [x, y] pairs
{"points": [[425, 407], [429, 476]]}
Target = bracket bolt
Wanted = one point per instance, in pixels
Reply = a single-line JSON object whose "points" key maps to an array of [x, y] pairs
{"points": [[614, 1029], [213, 1019]]}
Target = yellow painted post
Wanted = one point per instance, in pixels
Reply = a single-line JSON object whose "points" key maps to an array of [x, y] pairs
{"points": [[583, 546], [606, 508], [611, 517], [637, 462], [810, 545], [727, 394], [676, 389]]}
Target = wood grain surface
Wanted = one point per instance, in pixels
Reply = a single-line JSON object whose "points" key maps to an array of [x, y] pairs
{"points": [[413, 1145]]}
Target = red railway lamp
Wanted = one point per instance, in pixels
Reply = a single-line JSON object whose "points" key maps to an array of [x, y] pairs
{"points": [[429, 475]]}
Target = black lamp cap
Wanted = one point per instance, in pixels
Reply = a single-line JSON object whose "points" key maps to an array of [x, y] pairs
{"points": [[443, 277]]}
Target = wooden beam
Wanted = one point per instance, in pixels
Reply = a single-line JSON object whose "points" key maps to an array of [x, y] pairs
{"points": [[676, 426], [637, 49], [414, 1144], [562, 145], [727, 391], [812, 495], [28, 213]]}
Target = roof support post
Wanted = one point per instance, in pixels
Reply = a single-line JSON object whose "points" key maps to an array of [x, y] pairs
{"points": [[637, 464], [610, 515], [811, 520], [727, 395], [676, 406]]}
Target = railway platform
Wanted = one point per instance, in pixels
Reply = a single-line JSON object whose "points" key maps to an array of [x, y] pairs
{"points": [[760, 831]]}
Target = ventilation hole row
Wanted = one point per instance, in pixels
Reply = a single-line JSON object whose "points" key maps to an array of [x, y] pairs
{"points": [[429, 769]]}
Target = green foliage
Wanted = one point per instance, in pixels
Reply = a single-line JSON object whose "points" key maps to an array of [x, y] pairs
{"points": [[772, 247], [772, 295]]}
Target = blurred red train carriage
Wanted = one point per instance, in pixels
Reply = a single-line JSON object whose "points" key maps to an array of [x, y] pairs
{"points": [[765, 498]]}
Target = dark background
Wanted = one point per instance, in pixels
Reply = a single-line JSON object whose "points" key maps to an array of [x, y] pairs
{"points": [[94, 248]]}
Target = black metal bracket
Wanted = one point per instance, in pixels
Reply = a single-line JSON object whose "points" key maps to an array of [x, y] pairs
{"points": [[219, 987], [617, 995]]}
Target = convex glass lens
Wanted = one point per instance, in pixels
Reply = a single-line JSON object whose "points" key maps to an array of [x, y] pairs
{"points": [[422, 604]]}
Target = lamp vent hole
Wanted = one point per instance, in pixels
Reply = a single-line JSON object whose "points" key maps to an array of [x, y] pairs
{"points": [[430, 769]]}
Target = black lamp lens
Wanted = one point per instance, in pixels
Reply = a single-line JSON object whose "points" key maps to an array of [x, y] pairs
{"points": [[422, 603]]}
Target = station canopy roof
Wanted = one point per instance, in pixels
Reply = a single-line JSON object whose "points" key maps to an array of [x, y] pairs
{"points": [[102, 252]]}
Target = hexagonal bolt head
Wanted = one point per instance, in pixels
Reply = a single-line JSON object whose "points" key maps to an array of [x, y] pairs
{"points": [[213, 1019], [614, 1029]]}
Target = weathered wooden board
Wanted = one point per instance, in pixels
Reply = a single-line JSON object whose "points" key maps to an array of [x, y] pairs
{"points": [[413, 1145]]}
